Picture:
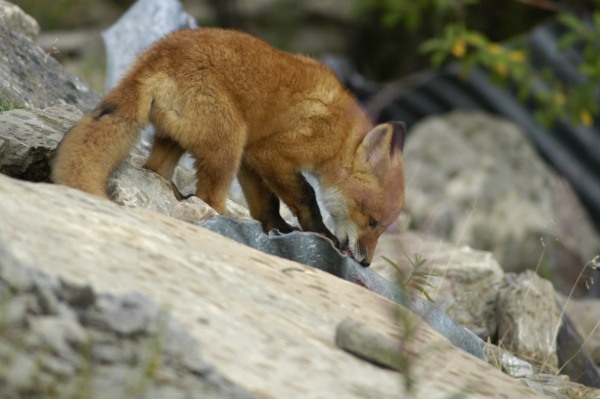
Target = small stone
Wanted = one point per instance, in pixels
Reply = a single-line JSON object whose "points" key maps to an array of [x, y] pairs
{"points": [[237, 211], [16, 276], [509, 363], [61, 336], [16, 311], [46, 298], [76, 295], [64, 311], [132, 185], [129, 315], [113, 354], [168, 392], [115, 381], [56, 366], [20, 372], [194, 363], [192, 210]]}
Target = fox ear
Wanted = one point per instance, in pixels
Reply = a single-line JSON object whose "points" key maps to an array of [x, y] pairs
{"points": [[398, 137], [383, 142]]}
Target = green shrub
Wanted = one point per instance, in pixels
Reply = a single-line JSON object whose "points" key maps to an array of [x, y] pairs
{"points": [[509, 61]]}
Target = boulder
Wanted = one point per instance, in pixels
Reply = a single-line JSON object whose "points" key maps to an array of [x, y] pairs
{"points": [[33, 78], [132, 185], [122, 301], [145, 22], [28, 139], [229, 298], [17, 21], [461, 281], [584, 315], [133, 346], [559, 387], [473, 179], [529, 320], [470, 287]]}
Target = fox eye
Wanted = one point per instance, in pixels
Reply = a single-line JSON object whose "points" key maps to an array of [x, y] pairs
{"points": [[372, 223]]}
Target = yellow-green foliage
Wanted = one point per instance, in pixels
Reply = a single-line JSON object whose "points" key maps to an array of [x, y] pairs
{"points": [[508, 62]]}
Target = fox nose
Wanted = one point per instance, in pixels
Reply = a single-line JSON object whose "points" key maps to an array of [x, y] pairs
{"points": [[367, 244]]}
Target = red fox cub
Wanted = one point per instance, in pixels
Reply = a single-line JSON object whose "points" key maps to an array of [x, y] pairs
{"points": [[240, 106]]}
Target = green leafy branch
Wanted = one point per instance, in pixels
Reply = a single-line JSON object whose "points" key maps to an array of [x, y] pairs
{"points": [[418, 279], [510, 63]]}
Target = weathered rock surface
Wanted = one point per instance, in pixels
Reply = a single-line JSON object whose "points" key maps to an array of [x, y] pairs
{"points": [[473, 179], [258, 326], [17, 21], [145, 22], [559, 387], [519, 313], [529, 319], [463, 282], [33, 78], [588, 327], [28, 139], [281, 315], [133, 185], [66, 340]]}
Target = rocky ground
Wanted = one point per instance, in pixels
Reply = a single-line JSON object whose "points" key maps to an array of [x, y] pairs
{"points": [[100, 300]]}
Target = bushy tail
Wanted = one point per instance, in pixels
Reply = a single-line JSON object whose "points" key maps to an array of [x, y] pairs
{"points": [[94, 147]]}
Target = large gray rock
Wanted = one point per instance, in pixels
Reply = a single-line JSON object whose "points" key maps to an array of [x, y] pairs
{"points": [[33, 78], [28, 139], [250, 311], [529, 320], [105, 346], [474, 179], [584, 315], [463, 282], [132, 185], [470, 286], [144, 23], [559, 387], [17, 21]]}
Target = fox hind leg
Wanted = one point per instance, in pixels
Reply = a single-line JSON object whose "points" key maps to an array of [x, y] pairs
{"points": [[218, 152], [215, 175], [163, 159], [214, 133]]}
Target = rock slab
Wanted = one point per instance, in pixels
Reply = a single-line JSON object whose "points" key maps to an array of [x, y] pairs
{"points": [[473, 179], [282, 316], [33, 78], [28, 139], [66, 340]]}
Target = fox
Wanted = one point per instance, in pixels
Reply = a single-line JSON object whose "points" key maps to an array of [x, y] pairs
{"points": [[243, 108]]}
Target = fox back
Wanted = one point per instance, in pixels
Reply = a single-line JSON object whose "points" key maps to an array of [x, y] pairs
{"points": [[240, 106]]}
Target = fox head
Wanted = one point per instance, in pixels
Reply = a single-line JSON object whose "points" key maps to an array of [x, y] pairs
{"points": [[366, 200]]}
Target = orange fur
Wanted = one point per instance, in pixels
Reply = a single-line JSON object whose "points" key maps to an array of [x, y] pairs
{"points": [[240, 106]]}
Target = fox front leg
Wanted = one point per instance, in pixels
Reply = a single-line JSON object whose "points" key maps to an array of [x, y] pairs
{"points": [[262, 202], [293, 189]]}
